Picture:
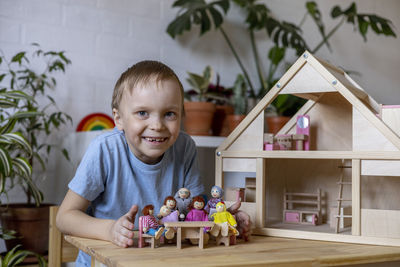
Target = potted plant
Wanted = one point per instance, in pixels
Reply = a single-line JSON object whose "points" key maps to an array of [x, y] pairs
{"points": [[239, 102], [29, 109], [199, 108], [284, 35], [223, 108], [17, 255]]}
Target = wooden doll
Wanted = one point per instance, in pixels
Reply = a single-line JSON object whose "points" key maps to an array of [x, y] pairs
{"points": [[150, 224], [216, 196], [224, 221], [168, 216], [170, 202], [197, 212], [183, 200]]}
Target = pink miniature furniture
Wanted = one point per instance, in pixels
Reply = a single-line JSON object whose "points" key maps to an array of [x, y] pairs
{"points": [[145, 238], [303, 128]]}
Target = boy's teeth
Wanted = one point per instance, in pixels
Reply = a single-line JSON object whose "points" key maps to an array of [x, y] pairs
{"points": [[155, 139]]}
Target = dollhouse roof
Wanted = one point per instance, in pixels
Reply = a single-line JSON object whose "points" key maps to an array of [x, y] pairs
{"points": [[311, 78]]}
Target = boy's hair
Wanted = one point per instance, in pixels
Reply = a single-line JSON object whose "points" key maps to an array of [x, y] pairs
{"points": [[142, 72], [169, 198], [145, 210], [198, 199]]}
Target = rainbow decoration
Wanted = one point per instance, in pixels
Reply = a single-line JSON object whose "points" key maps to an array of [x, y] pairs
{"points": [[95, 122]]}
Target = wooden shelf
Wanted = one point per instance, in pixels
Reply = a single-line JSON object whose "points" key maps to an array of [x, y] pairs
{"points": [[372, 155]]}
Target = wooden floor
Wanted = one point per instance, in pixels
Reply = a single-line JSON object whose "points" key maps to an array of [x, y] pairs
{"points": [[259, 251]]}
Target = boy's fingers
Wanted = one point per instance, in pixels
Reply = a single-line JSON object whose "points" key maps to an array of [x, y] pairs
{"points": [[132, 212], [127, 224]]}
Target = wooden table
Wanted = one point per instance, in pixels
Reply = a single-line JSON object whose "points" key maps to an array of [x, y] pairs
{"points": [[194, 230], [260, 250]]}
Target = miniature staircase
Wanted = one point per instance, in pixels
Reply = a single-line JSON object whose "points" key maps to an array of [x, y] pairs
{"points": [[340, 199]]}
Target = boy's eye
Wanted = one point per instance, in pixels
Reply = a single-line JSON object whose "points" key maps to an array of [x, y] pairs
{"points": [[170, 115], [142, 113]]}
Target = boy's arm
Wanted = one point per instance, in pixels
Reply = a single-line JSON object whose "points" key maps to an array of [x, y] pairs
{"points": [[72, 219]]}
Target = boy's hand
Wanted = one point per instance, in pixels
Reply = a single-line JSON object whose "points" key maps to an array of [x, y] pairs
{"points": [[121, 232]]}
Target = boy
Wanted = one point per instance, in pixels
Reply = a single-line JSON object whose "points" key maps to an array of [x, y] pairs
{"points": [[143, 160]]}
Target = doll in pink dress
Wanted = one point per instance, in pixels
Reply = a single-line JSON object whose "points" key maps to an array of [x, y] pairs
{"points": [[197, 212]]}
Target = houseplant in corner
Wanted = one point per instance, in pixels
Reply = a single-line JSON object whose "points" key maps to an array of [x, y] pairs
{"points": [[35, 116], [16, 255], [239, 102], [283, 35], [199, 108]]}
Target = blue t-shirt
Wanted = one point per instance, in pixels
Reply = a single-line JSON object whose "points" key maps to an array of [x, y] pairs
{"points": [[113, 179]]}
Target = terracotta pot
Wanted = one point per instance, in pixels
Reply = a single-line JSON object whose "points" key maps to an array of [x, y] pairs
{"points": [[220, 125], [30, 222], [198, 117], [275, 123], [234, 120]]}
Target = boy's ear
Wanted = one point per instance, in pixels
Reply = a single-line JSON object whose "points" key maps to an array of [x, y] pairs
{"points": [[117, 119]]}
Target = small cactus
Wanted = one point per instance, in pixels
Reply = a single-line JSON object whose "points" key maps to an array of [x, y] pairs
{"points": [[239, 98]]}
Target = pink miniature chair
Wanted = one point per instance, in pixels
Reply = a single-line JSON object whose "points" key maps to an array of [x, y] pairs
{"points": [[145, 238]]}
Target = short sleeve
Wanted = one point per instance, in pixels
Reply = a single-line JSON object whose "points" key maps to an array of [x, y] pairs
{"points": [[91, 174], [192, 173]]}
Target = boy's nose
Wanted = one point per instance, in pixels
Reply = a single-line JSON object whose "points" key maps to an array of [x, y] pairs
{"points": [[157, 124]]}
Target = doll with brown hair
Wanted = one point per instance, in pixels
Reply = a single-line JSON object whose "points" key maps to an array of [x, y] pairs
{"points": [[167, 215], [197, 212], [150, 224], [170, 202]]}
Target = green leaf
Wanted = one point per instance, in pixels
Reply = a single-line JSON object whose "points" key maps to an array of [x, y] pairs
{"points": [[5, 162], [313, 10], [19, 57], [18, 139], [197, 12], [26, 114], [217, 17], [65, 153], [363, 26], [16, 94], [8, 127], [22, 166], [5, 103], [2, 187], [276, 54]]}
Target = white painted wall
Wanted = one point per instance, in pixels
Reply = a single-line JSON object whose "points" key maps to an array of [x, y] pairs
{"points": [[104, 37]]}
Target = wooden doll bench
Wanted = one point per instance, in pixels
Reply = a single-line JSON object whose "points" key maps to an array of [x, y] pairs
{"points": [[146, 238]]}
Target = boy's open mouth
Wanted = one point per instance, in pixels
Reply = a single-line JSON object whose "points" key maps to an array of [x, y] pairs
{"points": [[155, 139]]}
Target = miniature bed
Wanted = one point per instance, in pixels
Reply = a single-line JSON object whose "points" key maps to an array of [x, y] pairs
{"points": [[353, 157]]}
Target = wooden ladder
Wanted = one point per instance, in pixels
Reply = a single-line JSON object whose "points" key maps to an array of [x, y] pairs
{"points": [[341, 183]]}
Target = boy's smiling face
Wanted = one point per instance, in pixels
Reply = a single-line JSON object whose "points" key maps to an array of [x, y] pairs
{"points": [[150, 115]]}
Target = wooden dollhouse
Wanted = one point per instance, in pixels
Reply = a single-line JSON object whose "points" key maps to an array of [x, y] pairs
{"points": [[352, 160]]}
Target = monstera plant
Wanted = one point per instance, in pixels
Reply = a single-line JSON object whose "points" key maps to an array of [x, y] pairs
{"points": [[284, 36]]}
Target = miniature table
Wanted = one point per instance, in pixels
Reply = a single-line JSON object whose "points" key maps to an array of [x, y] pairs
{"points": [[189, 230], [261, 250]]}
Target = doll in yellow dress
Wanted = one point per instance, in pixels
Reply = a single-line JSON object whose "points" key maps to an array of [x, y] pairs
{"points": [[224, 221]]}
